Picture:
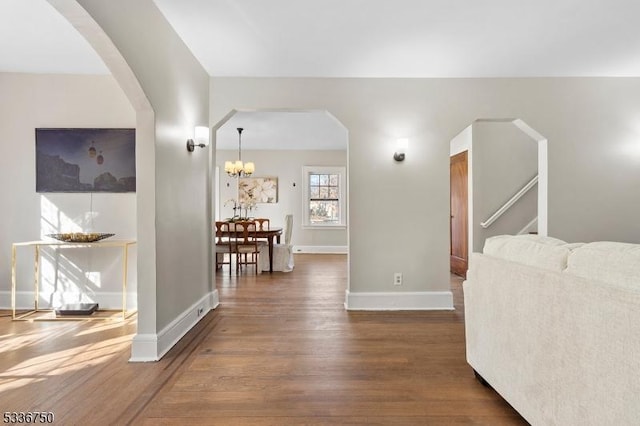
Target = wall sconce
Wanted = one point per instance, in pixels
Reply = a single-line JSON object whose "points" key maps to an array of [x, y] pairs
{"points": [[200, 138], [401, 149]]}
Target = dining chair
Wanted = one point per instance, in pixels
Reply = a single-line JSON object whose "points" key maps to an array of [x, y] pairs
{"points": [[282, 253], [246, 245], [263, 223], [224, 245]]}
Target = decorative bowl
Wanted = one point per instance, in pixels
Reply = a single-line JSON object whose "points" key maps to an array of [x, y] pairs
{"points": [[80, 237]]}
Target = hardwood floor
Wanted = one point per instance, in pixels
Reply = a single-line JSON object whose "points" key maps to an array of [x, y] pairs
{"points": [[279, 350]]}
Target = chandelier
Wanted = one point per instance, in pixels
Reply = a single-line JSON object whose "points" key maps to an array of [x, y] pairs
{"points": [[237, 168]]}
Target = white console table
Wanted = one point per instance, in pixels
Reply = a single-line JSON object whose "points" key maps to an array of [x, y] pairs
{"points": [[124, 244]]}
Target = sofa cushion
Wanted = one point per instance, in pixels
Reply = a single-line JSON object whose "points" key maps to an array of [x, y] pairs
{"points": [[611, 262], [533, 250]]}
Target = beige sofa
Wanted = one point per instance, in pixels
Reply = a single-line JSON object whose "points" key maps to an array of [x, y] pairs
{"points": [[554, 328]]}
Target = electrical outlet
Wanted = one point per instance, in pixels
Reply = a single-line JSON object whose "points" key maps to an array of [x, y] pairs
{"points": [[397, 278]]}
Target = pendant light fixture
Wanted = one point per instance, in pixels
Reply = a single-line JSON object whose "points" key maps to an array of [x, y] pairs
{"points": [[238, 168]]}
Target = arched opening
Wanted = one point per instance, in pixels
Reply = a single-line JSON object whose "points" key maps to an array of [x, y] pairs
{"points": [[497, 167], [284, 145], [145, 143]]}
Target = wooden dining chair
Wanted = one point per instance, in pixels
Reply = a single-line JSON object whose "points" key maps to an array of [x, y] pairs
{"points": [[224, 245], [263, 223], [246, 245]]}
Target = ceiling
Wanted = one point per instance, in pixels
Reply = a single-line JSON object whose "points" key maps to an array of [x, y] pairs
{"points": [[35, 38], [291, 130], [410, 38], [358, 38], [354, 38]]}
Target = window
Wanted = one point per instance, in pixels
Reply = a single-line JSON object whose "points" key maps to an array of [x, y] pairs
{"points": [[324, 196]]}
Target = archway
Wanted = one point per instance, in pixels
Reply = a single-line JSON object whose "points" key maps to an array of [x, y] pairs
{"points": [[477, 225], [144, 347], [281, 143], [173, 194]]}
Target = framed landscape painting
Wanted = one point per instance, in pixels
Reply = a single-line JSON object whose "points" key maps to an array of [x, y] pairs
{"points": [[85, 160], [260, 189]]}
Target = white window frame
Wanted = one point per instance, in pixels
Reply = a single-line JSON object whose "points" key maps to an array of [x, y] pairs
{"points": [[342, 195]]}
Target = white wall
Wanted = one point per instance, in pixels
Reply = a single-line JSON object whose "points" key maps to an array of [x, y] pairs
{"points": [[31, 101], [399, 212], [286, 165]]}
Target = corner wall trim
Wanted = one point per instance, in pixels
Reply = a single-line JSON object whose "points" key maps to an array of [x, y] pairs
{"points": [[152, 347], [399, 301]]}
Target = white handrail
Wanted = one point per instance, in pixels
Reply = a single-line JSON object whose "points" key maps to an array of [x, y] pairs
{"points": [[509, 203]]}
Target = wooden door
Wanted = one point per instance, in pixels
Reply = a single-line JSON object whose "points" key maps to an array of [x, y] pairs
{"points": [[459, 214]]}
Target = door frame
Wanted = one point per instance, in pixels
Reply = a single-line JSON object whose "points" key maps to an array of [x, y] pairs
{"points": [[459, 265]]}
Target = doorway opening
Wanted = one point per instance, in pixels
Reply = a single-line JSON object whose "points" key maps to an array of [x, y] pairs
{"points": [[283, 145], [498, 172]]}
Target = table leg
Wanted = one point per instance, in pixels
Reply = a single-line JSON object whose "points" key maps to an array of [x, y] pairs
{"points": [[125, 257], [270, 253], [37, 276], [13, 281]]}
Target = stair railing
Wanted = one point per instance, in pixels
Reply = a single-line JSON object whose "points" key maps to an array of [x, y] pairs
{"points": [[510, 203]]}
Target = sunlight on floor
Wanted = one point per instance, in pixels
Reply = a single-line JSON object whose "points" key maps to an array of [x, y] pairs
{"points": [[57, 362]]}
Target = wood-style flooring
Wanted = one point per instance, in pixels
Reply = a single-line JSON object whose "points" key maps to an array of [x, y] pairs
{"points": [[279, 350]]}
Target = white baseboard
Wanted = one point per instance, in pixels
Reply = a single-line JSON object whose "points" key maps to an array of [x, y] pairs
{"points": [[399, 301], [152, 347], [106, 300], [321, 249]]}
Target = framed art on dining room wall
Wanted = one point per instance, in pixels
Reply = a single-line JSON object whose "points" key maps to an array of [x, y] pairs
{"points": [[259, 189]]}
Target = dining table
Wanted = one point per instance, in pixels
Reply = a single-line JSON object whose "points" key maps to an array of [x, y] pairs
{"points": [[268, 234]]}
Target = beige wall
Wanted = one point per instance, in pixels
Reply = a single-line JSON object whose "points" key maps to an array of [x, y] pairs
{"points": [[399, 213], [593, 152], [31, 101]]}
